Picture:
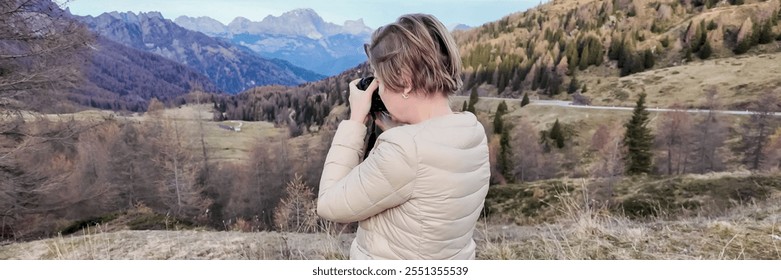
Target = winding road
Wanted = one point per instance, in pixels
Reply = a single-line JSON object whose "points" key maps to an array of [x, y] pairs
{"points": [[569, 104]]}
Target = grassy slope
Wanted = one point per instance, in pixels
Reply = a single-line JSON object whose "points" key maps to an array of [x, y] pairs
{"points": [[739, 80], [577, 231]]}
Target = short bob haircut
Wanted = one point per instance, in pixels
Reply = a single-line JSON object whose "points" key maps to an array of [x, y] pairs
{"points": [[418, 52]]}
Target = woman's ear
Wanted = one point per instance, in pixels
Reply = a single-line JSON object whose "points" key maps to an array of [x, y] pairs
{"points": [[407, 84]]}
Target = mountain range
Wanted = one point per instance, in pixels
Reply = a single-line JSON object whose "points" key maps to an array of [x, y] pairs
{"points": [[232, 68], [119, 77], [299, 36]]}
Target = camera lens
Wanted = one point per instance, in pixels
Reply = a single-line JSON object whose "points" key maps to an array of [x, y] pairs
{"points": [[365, 82], [377, 105]]}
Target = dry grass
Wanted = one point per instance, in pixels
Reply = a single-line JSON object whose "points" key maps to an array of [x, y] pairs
{"points": [[221, 144], [583, 232], [739, 80], [580, 231], [155, 245]]}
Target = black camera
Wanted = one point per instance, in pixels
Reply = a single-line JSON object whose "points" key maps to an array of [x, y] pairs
{"points": [[377, 105]]}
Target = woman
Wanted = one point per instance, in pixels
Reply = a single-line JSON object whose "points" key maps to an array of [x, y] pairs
{"points": [[420, 191]]}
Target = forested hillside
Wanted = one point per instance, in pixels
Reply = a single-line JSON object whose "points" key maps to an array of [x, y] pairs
{"points": [[570, 46]]}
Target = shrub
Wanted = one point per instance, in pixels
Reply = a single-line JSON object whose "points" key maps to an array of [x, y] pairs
{"points": [[665, 42], [712, 25], [297, 211], [742, 47], [90, 222], [705, 51]]}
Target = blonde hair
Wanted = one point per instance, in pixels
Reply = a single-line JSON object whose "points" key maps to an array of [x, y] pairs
{"points": [[416, 51]]}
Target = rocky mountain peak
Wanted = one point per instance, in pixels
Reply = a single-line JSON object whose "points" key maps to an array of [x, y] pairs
{"points": [[308, 14], [356, 27], [240, 23], [300, 36], [131, 17], [232, 68], [206, 25]]}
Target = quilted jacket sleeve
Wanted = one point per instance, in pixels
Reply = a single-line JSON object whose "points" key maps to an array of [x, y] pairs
{"points": [[351, 190]]}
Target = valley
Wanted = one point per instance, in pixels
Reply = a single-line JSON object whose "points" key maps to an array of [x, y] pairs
{"points": [[180, 139]]}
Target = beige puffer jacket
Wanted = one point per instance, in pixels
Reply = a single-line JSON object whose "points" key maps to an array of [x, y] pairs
{"points": [[419, 193]]}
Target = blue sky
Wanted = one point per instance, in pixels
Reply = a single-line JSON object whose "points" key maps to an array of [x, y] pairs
{"points": [[374, 12]]}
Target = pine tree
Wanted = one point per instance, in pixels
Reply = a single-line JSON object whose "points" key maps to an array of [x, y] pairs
{"points": [[557, 135], [516, 83], [638, 140], [756, 32], [765, 33], [554, 84], [665, 42], [656, 28], [338, 91], [505, 155], [648, 59], [573, 85], [743, 46], [498, 122], [699, 38], [572, 56], [705, 51], [625, 55], [525, 100], [687, 54], [712, 25], [596, 49], [616, 49], [584, 57], [473, 99], [626, 67]]}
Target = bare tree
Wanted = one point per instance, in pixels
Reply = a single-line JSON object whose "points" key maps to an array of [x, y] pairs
{"points": [[673, 139], [530, 163], [91, 190], [773, 151], [130, 165], [708, 136], [296, 211], [757, 130], [268, 169], [315, 154], [608, 164], [608, 147], [40, 164], [29, 174], [40, 50], [174, 159]]}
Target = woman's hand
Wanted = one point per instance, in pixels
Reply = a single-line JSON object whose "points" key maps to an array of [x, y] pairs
{"points": [[361, 101]]}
